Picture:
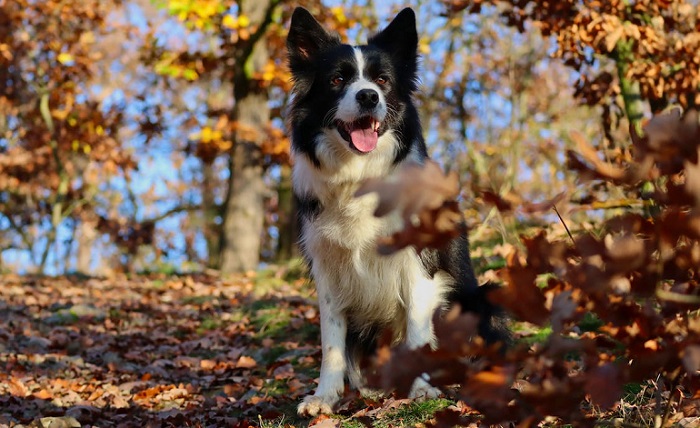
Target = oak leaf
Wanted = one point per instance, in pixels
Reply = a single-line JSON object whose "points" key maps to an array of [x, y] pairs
{"points": [[425, 199], [603, 384], [521, 296]]}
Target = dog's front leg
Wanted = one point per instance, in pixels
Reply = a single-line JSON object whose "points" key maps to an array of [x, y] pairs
{"points": [[426, 297], [333, 365]]}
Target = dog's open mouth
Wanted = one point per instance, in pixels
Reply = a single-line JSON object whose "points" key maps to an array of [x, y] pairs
{"points": [[362, 134]]}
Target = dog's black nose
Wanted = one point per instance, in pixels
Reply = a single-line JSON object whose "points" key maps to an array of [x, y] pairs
{"points": [[368, 98]]}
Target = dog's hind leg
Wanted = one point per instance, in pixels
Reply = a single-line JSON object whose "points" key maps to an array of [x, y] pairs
{"points": [[361, 346]]}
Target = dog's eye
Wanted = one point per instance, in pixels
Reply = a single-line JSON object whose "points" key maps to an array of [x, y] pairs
{"points": [[337, 80], [381, 80]]}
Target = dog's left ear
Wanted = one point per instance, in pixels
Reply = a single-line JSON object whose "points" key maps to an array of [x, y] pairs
{"points": [[400, 38]]}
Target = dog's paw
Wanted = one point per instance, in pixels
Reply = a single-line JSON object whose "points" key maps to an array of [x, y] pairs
{"points": [[316, 404], [422, 390]]}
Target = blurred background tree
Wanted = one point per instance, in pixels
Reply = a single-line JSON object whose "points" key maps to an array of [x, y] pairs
{"points": [[59, 147], [140, 135]]}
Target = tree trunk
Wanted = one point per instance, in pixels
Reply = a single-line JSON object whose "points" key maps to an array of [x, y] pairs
{"points": [[244, 206], [630, 89], [211, 230], [287, 223], [87, 235], [632, 97]]}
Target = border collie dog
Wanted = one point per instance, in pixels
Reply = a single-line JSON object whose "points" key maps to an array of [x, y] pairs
{"points": [[352, 117]]}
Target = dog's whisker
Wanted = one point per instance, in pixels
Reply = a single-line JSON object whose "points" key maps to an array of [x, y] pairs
{"points": [[329, 118]]}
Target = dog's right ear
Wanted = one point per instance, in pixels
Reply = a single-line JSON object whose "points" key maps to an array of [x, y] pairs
{"points": [[306, 39]]}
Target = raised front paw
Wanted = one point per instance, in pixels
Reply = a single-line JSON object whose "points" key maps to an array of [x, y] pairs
{"points": [[422, 390], [315, 404]]}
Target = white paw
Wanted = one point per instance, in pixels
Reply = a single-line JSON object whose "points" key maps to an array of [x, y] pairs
{"points": [[422, 390], [315, 404]]}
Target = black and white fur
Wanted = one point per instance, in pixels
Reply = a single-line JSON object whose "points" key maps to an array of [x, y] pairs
{"points": [[352, 118]]}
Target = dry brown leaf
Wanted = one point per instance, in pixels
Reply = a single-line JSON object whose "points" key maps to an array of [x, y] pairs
{"points": [[521, 296], [490, 390], [626, 252], [18, 388], [454, 329], [512, 202], [245, 362], [692, 180], [563, 309], [613, 37], [691, 359], [591, 161], [207, 364], [58, 422], [43, 394], [546, 205], [425, 198], [603, 384], [503, 203], [324, 422], [413, 188]]}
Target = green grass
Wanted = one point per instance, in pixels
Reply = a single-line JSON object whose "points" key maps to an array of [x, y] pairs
{"points": [[274, 388], [637, 393], [486, 263], [415, 412], [274, 277], [289, 418], [117, 314], [309, 333], [539, 336], [208, 324], [157, 284], [269, 355], [272, 322], [198, 300], [271, 319], [168, 269], [405, 416], [590, 322]]}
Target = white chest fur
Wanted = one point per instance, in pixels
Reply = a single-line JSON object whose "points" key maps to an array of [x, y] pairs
{"points": [[341, 239]]}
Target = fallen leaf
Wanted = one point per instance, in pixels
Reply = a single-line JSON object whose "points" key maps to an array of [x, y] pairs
{"points": [[59, 422], [324, 421], [245, 362], [17, 388], [207, 364], [691, 359], [43, 394]]}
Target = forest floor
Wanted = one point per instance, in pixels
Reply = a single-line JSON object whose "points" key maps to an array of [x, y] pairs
{"points": [[176, 351]]}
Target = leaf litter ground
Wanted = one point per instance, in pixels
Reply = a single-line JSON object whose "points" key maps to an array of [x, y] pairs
{"points": [[168, 351], [165, 351]]}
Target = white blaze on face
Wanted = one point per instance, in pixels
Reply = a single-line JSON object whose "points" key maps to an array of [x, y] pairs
{"points": [[363, 133]]}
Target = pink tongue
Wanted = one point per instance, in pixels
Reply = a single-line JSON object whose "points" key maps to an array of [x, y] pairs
{"points": [[364, 139]]}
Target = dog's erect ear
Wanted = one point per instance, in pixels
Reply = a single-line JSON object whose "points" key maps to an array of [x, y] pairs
{"points": [[400, 37], [307, 38]]}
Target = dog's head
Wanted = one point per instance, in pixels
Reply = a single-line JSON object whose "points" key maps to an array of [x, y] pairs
{"points": [[352, 94]]}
